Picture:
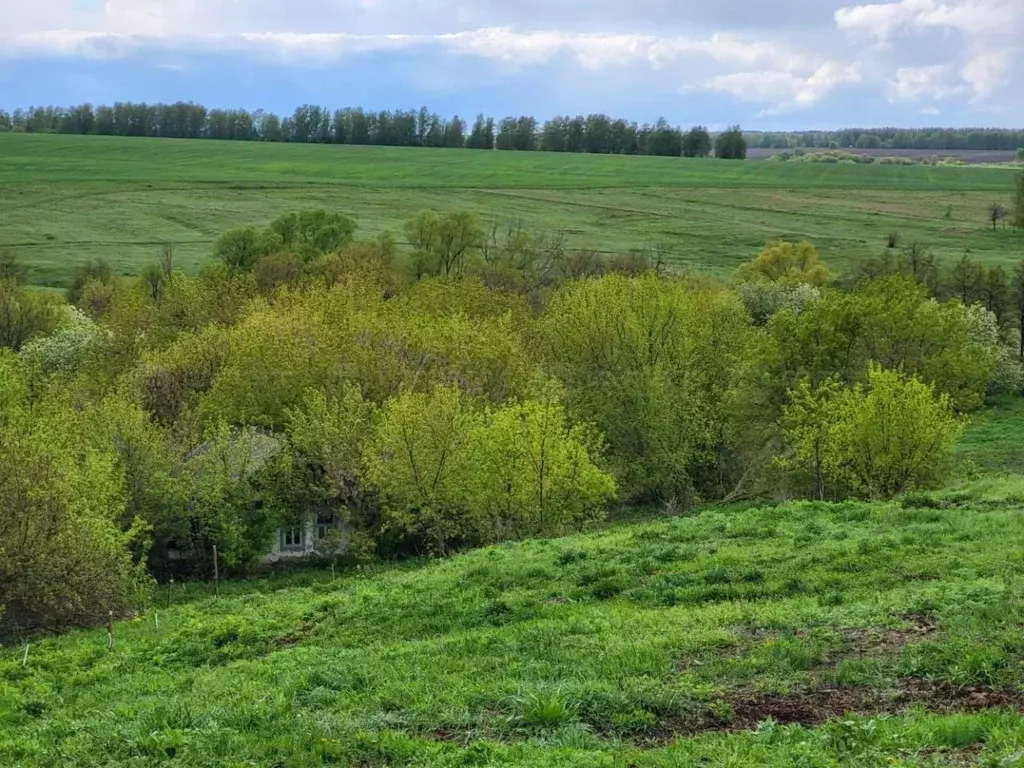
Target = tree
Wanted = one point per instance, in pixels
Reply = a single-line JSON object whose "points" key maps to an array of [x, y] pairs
{"points": [[1017, 297], [444, 242], [11, 268], [648, 361], [1018, 202], [93, 270], [697, 142], [419, 459], [153, 278], [965, 279], [995, 292], [24, 315], [65, 560], [535, 471], [242, 248], [313, 232], [328, 433], [892, 435], [808, 420], [891, 321], [731, 144], [996, 213], [787, 264]]}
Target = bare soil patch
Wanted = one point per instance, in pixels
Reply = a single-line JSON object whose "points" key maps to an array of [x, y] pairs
{"points": [[815, 706]]}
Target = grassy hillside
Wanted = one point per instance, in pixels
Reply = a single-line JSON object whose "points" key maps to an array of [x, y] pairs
{"points": [[736, 637], [67, 198]]}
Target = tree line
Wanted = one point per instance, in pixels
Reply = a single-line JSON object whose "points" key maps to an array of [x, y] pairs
{"points": [[489, 384], [978, 139], [595, 133]]}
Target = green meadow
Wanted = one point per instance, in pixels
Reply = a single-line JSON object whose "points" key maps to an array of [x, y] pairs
{"points": [[849, 634], [65, 199]]}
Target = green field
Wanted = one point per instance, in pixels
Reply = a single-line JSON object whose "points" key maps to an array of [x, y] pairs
{"points": [[64, 199], [736, 637]]}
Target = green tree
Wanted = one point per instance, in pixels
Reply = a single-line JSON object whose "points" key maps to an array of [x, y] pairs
{"points": [[731, 144], [24, 315], [445, 242], [894, 434], [786, 263], [329, 433], [965, 279], [64, 559], [313, 232], [996, 212], [1018, 202], [808, 420], [697, 142], [534, 470], [1017, 298], [92, 271], [891, 321], [649, 362], [419, 459], [242, 248], [11, 268]]}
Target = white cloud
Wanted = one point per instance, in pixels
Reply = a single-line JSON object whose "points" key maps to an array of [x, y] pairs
{"points": [[987, 72], [971, 17], [932, 82], [786, 90]]}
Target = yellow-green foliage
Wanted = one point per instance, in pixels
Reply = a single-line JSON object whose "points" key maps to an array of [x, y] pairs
{"points": [[786, 263], [891, 435], [64, 557], [892, 322], [649, 362], [448, 471]]}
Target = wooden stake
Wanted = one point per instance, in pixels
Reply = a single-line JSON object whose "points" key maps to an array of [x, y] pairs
{"points": [[110, 631], [24, 659], [156, 618], [170, 588], [216, 573]]}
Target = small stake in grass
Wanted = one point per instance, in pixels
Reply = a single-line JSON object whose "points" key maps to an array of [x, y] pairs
{"points": [[24, 659], [156, 618], [170, 589], [216, 574], [110, 631]]}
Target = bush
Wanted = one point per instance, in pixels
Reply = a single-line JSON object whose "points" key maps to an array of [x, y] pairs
{"points": [[65, 560], [893, 435]]}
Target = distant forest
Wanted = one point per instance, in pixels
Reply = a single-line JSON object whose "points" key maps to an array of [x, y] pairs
{"points": [[596, 133]]}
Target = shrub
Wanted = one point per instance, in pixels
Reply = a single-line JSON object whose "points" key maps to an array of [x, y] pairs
{"points": [[890, 436]]}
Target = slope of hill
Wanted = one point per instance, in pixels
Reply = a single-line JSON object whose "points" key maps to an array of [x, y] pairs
{"points": [[65, 199], [735, 637]]}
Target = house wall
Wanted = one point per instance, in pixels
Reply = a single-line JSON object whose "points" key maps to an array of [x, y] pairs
{"points": [[277, 553]]}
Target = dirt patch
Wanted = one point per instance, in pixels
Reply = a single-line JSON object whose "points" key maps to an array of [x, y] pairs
{"points": [[889, 642], [814, 707], [297, 635]]}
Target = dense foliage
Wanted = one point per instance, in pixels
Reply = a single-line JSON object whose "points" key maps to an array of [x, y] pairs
{"points": [[489, 385]]}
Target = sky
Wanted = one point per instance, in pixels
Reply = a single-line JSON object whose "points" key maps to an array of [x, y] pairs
{"points": [[766, 64]]}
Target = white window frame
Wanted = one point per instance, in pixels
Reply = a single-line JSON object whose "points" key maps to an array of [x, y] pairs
{"points": [[293, 533]]}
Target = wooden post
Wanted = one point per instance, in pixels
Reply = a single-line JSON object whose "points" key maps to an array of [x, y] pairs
{"points": [[216, 573], [156, 618], [170, 588], [24, 659], [110, 631]]}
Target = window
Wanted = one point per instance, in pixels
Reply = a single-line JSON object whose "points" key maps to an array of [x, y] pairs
{"points": [[324, 525], [292, 538]]}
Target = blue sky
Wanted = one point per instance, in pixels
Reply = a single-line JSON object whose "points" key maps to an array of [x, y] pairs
{"points": [[784, 64]]}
